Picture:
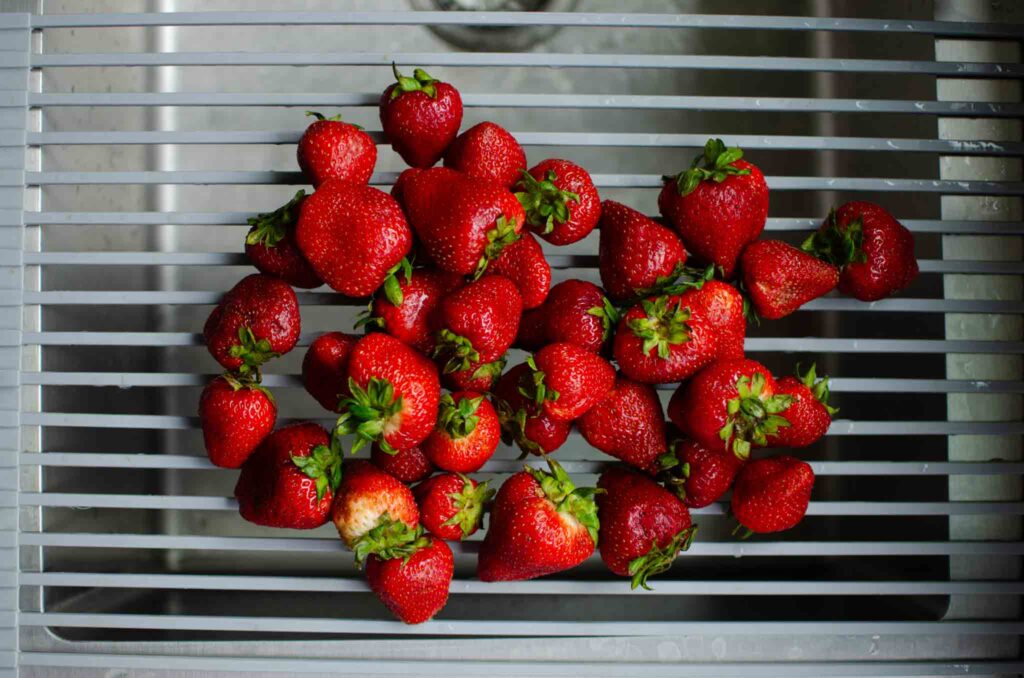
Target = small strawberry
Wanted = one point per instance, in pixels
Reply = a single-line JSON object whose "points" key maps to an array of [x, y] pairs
{"points": [[779, 278], [332, 149], [875, 253], [236, 414], [541, 523], [566, 380], [577, 312], [405, 306], [562, 206], [258, 319], [809, 414], [532, 333], [271, 247], [452, 505], [637, 256], [487, 151], [467, 433], [478, 376], [325, 368], [420, 116], [699, 476], [477, 323], [409, 465], [372, 510], [290, 479], [414, 584], [643, 525], [523, 263], [771, 494], [522, 421], [628, 424], [717, 207]]}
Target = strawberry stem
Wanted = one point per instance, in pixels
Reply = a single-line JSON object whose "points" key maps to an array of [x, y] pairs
{"points": [[366, 412], [323, 464], [513, 429], [819, 387], [532, 386], [456, 351], [251, 351], [392, 288], [835, 245], [672, 473], [458, 419], [491, 370], [250, 380], [389, 539], [608, 314], [567, 498], [470, 502], [718, 166], [270, 228], [498, 238], [663, 327], [752, 416], [659, 559], [419, 82], [544, 202]]}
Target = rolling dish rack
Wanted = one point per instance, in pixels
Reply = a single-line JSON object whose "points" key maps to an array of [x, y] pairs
{"points": [[133, 146]]}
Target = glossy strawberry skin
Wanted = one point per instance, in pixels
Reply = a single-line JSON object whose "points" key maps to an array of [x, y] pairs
{"points": [[628, 424], [436, 497], [234, 421], [487, 151], [710, 473], [420, 127], [465, 454], [273, 491], [325, 368], [523, 263], [581, 378], [571, 315], [583, 215], [635, 252], [539, 434], [352, 235], [367, 494], [479, 376], [332, 149], [809, 419], [409, 465], [267, 306], [485, 312], [771, 494], [780, 278], [416, 589], [889, 247], [412, 322]]}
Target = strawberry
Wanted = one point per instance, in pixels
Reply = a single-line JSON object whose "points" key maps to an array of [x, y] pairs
{"points": [[668, 338], [532, 333], [875, 253], [479, 376], [414, 584], [236, 414], [541, 523], [406, 305], [420, 116], [637, 256], [562, 206], [271, 247], [577, 312], [467, 433], [698, 475], [290, 480], [372, 510], [522, 421], [523, 263], [716, 207], [779, 278], [628, 424], [354, 236], [730, 405], [462, 222], [258, 319], [409, 465], [398, 188], [332, 149], [325, 368], [643, 525], [477, 323], [452, 505], [566, 380], [809, 414], [771, 494], [394, 394], [487, 151]]}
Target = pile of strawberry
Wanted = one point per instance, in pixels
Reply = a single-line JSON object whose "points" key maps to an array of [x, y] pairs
{"points": [[455, 276]]}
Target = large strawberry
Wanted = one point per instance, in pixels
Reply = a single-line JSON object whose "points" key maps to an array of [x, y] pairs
{"points": [[643, 525], [628, 424], [258, 319], [487, 151], [236, 414], [541, 523], [809, 414], [291, 478], [522, 421], [771, 494], [874, 251], [452, 505], [565, 380], [467, 433], [413, 580], [523, 263], [353, 235], [409, 465], [405, 307], [325, 368], [730, 405], [577, 312], [637, 256], [332, 149], [779, 278], [394, 394], [271, 247], [477, 323], [372, 510], [562, 206], [698, 475], [420, 116], [717, 206]]}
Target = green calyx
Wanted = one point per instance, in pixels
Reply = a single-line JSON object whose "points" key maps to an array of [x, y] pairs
{"points": [[532, 385], [663, 327], [419, 82], [567, 498], [366, 412], [513, 429], [714, 164], [388, 540], [458, 419], [392, 288], [752, 416], [334, 118], [544, 202], [672, 472], [498, 238], [470, 503], [491, 370], [837, 246], [249, 380], [819, 387], [659, 559], [457, 351], [251, 351], [269, 228], [323, 464], [608, 314], [366, 318]]}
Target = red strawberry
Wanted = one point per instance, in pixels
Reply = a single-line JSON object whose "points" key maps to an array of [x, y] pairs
{"points": [[567, 380], [325, 368], [394, 394], [532, 333], [407, 303], [452, 505], [668, 338], [562, 206], [258, 319], [420, 117], [372, 510], [637, 255], [698, 475], [628, 424], [541, 523], [487, 151], [874, 251], [477, 323], [290, 479], [271, 247], [414, 584], [236, 414], [398, 189], [478, 376], [809, 414], [409, 465], [522, 421], [332, 149], [467, 433], [730, 405], [643, 525], [462, 222], [779, 278], [577, 312], [523, 263], [353, 235], [717, 207], [771, 494]]}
